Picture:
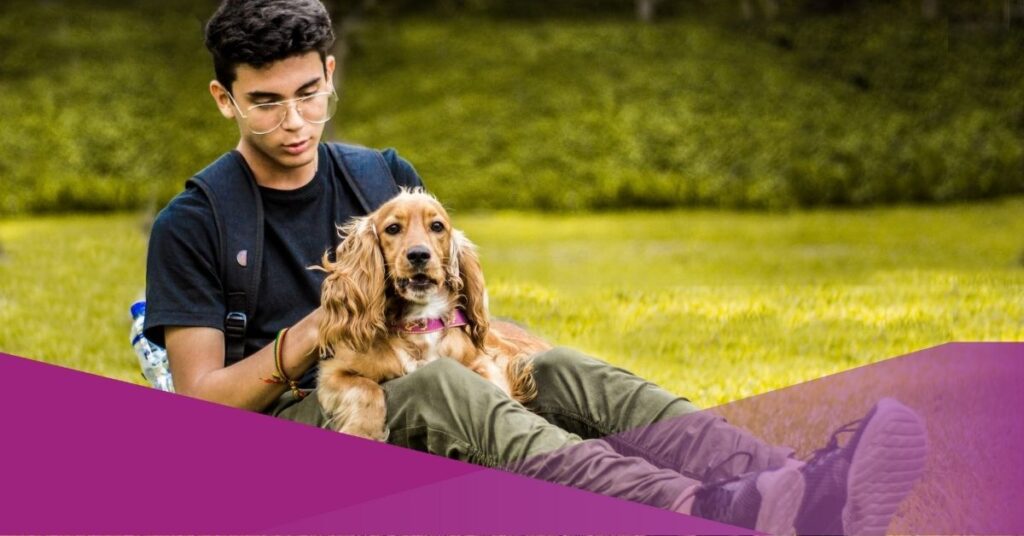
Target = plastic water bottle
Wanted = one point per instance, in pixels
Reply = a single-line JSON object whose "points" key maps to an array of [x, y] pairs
{"points": [[152, 358]]}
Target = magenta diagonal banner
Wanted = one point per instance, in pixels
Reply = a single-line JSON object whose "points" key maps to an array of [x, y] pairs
{"points": [[86, 454]]}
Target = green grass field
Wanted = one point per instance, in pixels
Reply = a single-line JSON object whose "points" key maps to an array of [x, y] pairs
{"points": [[714, 305]]}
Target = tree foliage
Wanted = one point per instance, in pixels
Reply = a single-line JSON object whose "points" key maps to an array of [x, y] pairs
{"points": [[552, 105]]}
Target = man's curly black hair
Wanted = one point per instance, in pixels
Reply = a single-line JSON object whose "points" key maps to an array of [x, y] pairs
{"points": [[260, 32]]}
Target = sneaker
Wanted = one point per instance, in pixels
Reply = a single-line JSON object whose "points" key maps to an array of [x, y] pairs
{"points": [[856, 488], [765, 501]]}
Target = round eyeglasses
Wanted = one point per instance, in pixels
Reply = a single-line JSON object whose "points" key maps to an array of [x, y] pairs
{"points": [[264, 118]]}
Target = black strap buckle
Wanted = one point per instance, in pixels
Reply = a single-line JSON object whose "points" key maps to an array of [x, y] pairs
{"points": [[234, 324]]}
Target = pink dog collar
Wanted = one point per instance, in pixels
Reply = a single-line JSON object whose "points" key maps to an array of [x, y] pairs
{"points": [[430, 325]]}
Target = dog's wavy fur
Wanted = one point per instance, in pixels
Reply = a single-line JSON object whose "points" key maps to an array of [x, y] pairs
{"points": [[373, 286]]}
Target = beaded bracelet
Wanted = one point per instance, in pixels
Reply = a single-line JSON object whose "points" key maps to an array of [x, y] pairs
{"points": [[279, 375]]}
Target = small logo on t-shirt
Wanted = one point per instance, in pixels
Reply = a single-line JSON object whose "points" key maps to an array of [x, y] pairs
{"points": [[242, 257]]}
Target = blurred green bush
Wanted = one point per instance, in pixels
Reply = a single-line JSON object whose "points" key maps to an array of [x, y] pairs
{"points": [[105, 107], [855, 109]]}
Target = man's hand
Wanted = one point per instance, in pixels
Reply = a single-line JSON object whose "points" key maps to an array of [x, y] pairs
{"points": [[196, 357]]}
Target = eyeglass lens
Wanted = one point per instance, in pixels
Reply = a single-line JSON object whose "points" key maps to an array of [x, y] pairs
{"points": [[318, 108]]}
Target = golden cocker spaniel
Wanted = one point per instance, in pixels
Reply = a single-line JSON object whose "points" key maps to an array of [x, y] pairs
{"points": [[405, 289]]}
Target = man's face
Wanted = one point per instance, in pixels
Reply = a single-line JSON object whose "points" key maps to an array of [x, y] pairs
{"points": [[294, 143]]}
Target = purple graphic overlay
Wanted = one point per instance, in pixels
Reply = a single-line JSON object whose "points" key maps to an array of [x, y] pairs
{"points": [[86, 454], [931, 445], [83, 453]]}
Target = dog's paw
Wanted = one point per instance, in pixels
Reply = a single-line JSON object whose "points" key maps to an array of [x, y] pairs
{"points": [[367, 431]]}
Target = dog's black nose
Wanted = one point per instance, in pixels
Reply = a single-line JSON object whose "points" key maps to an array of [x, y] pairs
{"points": [[418, 255]]}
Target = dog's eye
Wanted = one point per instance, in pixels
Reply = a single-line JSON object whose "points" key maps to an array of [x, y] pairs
{"points": [[437, 227], [393, 229]]}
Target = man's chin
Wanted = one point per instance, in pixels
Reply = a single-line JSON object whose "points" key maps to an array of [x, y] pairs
{"points": [[297, 160], [276, 155], [301, 148]]}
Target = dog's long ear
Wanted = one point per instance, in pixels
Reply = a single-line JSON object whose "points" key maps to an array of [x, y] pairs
{"points": [[353, 293], [467, 278]]}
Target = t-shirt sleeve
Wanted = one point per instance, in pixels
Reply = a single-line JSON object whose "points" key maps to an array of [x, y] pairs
{"points": [[402, 170], [183, 286]]}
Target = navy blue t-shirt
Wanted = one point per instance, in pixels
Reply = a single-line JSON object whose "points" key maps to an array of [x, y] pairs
{"points": [[183, 282]]}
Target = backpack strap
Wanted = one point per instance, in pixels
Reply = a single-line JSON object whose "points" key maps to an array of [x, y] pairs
{"points": [[238, 214], [376, 184]]}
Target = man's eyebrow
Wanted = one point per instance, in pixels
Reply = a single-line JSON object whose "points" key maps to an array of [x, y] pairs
{"points": [[275, 96], [309, 84], [254, 95]]}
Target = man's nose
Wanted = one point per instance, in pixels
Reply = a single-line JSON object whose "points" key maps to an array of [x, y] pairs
{"points": [[418, 255], [292, 118]]}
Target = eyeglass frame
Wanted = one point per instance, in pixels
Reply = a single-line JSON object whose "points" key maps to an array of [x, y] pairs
{"points": [[288, 103]]}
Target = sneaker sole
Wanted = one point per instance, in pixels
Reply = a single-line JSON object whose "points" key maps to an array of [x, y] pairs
{"points": [[781, 492], [888, 461]]}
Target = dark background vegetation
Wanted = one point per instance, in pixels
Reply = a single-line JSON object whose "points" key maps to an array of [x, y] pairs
{"points": [[568, 105]]}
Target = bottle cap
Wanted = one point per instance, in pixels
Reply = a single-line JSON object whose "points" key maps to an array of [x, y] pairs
{"points": [[138, 308]]}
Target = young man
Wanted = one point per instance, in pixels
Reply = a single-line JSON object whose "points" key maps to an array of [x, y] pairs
{"points": [[273, 79]]}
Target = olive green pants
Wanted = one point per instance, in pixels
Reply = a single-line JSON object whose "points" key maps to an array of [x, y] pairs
{"points": [[592, 426]]}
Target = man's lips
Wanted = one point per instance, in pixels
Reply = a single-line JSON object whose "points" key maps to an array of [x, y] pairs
{"points": [[297, 147]]}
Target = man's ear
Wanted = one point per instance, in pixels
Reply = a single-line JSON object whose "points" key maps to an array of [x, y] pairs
{"points": [[220, 96], [329, 64]]}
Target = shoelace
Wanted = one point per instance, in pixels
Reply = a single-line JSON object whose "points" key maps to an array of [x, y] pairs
{"points": [[706, 487], [833, 442], [711, 470]]}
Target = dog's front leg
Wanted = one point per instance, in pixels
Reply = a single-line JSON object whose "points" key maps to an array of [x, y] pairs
{"points": [[458, 346], [486, 367], [353, 404]]}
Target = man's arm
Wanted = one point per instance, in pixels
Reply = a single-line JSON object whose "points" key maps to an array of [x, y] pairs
{"points": [[196, 356]]}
